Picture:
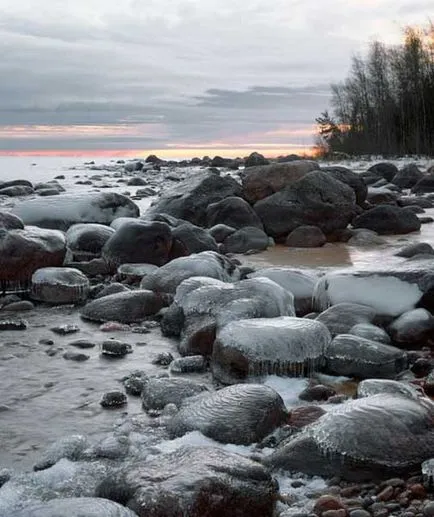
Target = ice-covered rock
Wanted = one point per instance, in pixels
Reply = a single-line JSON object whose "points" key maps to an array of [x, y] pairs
{"points": [[369, 387], [159, 391], [354, 356], [57, 285], [69, 447], [363, 439], [61, 212], [412, 327], [340, 318], [10, 221], [371, 332], [86, 240], [240, 414], [283, 346], [75, 507]]}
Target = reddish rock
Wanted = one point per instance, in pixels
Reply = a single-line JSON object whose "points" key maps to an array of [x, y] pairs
{"points": [[386, 494], [417, 491], [328, 503], [305, 415]]}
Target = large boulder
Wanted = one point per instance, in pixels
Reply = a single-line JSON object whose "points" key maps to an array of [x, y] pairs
{"points": [[86, 240], [205, 264], [22, 252], [240, 414], [386, 170], [389, 291], [424, 185], [75, 507], [234, 212], [255, 159], [388, 220], [408, 176], [159, 391], [57, 285], [306, 237], [190, 198], [249, 238], [351, 179], [414, 327], [194, 239], [125, 307], [283, 346], [193, 481], [340, 318], [365, 439], [139, 242], [354, 356], [316, 200], [208, 308], [10, 221], [369, 387], [262, 181], [61, 212]]}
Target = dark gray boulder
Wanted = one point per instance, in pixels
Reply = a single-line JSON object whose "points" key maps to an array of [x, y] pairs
{"points": [[75, 507], [371, 332], [221, 231], [354, 356], [414, 327], [194, 238], [255, 159], [87, 240], [351, 179], [194, 481], [61, 212], [190, 198], [408, 176], [139, 242], [306, 237], [317, 199], [414, 249], [240, 414], [263, 181], [10, 221], [125, 307], [423, 186], [205, 264], [364, 439], [388, 220], [386, 170], [16, 191], [340, 318], [159, 391], [234, 212], [284, 346], [249, 238]]}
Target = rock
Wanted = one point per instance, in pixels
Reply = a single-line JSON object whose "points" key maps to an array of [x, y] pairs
{"points": [[354, 356], [135, 383], [87, 240], [414, 249], [210, 307], [234, 212], [388, 220], [420, 201], [75, 356], [82, 343], [205, 264], [316, 199], [412, 328], [262, 181], [381, 195], [326, 503], [64, 330], [128, 307], [115, 348], [70, 447], [95, 267], [206, 481], [385, 169], [194, 239], [17, 324], [340, 318], [23, 305], [240, 414], [317, 393], [14, 183], [255, 159], [221, 231], [158, 392], [371, 332], [246, 239], [61, 212], [363, 439], [139, 242], [262, 346], [134, 272], [351, 179], [302, 416], [408, 176], [389, 291], [428, 509], [428, 475], [421, 367], [113, 288], [22, 252], [300, 284], [423, 186], [364, 237], [113, 399], [136, 181], [16, 191], [306, 237], [57, 285], [192, 364], [190, 199], [163, 359], [10, 221]]}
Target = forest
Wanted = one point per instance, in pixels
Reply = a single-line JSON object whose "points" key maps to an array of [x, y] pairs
{"points": [[386, 104]]}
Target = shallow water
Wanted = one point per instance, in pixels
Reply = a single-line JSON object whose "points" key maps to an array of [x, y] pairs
{"points": [[44, 398]]}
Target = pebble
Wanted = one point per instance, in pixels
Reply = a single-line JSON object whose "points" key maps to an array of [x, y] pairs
{"points": [[75, 356], [386, 494], [82, 343], [163, 359], [327, 502], [192, 364], [63, 330], [48, 342], [359, 513], [113, 399]]}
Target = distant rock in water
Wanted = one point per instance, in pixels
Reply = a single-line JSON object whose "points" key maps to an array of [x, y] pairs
{"points": [[10, 221], [61, 212], [22, 252]]}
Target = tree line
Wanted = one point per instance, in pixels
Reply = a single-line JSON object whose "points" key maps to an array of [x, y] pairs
{"points": [[386, 104]]}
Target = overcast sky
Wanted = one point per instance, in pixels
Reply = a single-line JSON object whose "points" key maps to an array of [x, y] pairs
{"points": [[155, 74]]}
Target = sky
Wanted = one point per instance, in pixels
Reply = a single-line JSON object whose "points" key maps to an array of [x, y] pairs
{"points": [[180, 76]]}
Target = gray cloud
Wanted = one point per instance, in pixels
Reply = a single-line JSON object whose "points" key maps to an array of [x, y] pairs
{"points": [[225, 70]]}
